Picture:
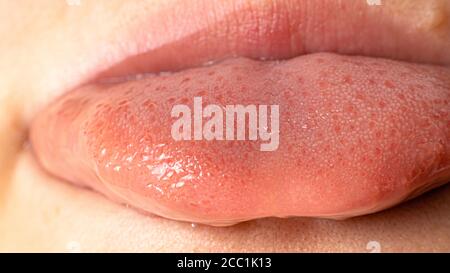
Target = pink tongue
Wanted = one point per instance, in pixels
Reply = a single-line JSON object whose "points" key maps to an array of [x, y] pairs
{"points": [[356, 135]]}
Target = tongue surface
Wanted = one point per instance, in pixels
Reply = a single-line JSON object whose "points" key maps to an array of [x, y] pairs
{"points": [[356, 135]]}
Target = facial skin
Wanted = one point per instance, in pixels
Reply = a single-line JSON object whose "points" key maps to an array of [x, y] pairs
{"points": [[44, 45]]}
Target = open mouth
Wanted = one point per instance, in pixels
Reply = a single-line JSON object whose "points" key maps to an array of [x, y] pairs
{"points": [[356, 134]]}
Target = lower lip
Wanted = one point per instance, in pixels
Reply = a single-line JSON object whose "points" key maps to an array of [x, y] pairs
{"points": [[356, 135]]}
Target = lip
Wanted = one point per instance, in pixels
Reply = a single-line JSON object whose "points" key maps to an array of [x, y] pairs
{"points": [[117, 58], [139, 41]]}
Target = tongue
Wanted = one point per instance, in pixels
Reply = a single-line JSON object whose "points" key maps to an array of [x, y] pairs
{"points": [[356, 135]]}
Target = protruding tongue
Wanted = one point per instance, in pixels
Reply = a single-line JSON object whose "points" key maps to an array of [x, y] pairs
{"points": [[356, 135]]}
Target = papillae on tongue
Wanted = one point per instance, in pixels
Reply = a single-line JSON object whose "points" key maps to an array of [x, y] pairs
{"points": [[356, 135]]}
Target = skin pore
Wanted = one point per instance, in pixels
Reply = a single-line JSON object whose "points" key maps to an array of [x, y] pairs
{"points": [[42, 45]]}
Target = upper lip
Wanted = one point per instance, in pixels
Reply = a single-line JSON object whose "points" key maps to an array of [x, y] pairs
{"points": [[156, 39]]}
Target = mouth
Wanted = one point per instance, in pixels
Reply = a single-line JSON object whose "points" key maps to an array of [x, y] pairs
{"points": [[357, 134]]}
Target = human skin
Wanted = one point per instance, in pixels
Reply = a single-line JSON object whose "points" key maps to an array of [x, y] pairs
{"points": [[40, 213]]}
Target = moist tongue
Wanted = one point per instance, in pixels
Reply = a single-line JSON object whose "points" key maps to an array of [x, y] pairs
{"points": [[356, 135]]}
